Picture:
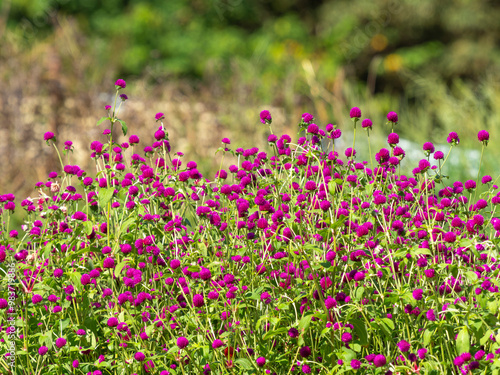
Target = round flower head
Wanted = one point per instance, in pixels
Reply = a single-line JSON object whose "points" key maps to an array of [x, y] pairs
{"points": [[417, 294], [60, 342], [112, 322], [48, 136], [182, 342], [483, 136], [355, 112], [438, 155], [108, 263], [217, 344], [198, 300], [404, 346], [393, 139], [139, 356], [261, 361], [355, 364], [265, 117], [367, 123], [305, 351], [293, 333], [428, 147], [379, 359], [392, 117], [123, 97], [43, 350], [159, 116], [120, 84], [453, 138]]}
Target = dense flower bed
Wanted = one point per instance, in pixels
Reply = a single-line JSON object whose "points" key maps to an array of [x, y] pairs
{"points": [[296, 260]]}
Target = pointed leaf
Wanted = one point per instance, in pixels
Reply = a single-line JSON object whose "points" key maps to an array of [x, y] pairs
{"points": [[124, 127], [102, 119], [463, 341], [360, 329]]}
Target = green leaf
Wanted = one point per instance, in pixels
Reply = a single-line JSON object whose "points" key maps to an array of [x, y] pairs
{"points": [[349, 354], [359, 293], [124, 127], [305, 321], [88, 226], [493, 306], [356, 347], [245, 363], [127, 223], [427, 337], [388, 322], [275, 332], [47, 250], [102, 119], [119, 267], [105, 196], [463, 341], [471, 276], [360, 329]]}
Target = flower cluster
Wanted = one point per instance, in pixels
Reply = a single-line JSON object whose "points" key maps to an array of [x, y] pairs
{"points": [[295, 260]]}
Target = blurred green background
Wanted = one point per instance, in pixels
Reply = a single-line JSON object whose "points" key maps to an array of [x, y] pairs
{"points": [[211, 66]]}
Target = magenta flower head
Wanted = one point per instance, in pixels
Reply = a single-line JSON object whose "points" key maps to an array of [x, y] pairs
{"points": [[392, 117], [261, 361], [305, 351], [108, 263], [355, 364], [159, 116], [36, 298], [198, 300], [217, 344], [139, 356], [404, 346], [182, 342], [393, 139], [293, 333], [428, 148], [123, 97], [133, 139], [49, 136], [366, 123], [120, 84], [112, 322], [60, 342], [43, 350], [355, 113], [453, 139], [483, 136], [265, 117], [421, 353], [418, 294], [379, 359]]}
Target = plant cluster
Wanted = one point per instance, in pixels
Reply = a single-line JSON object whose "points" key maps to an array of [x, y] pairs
{"points": [[293, 261]]}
